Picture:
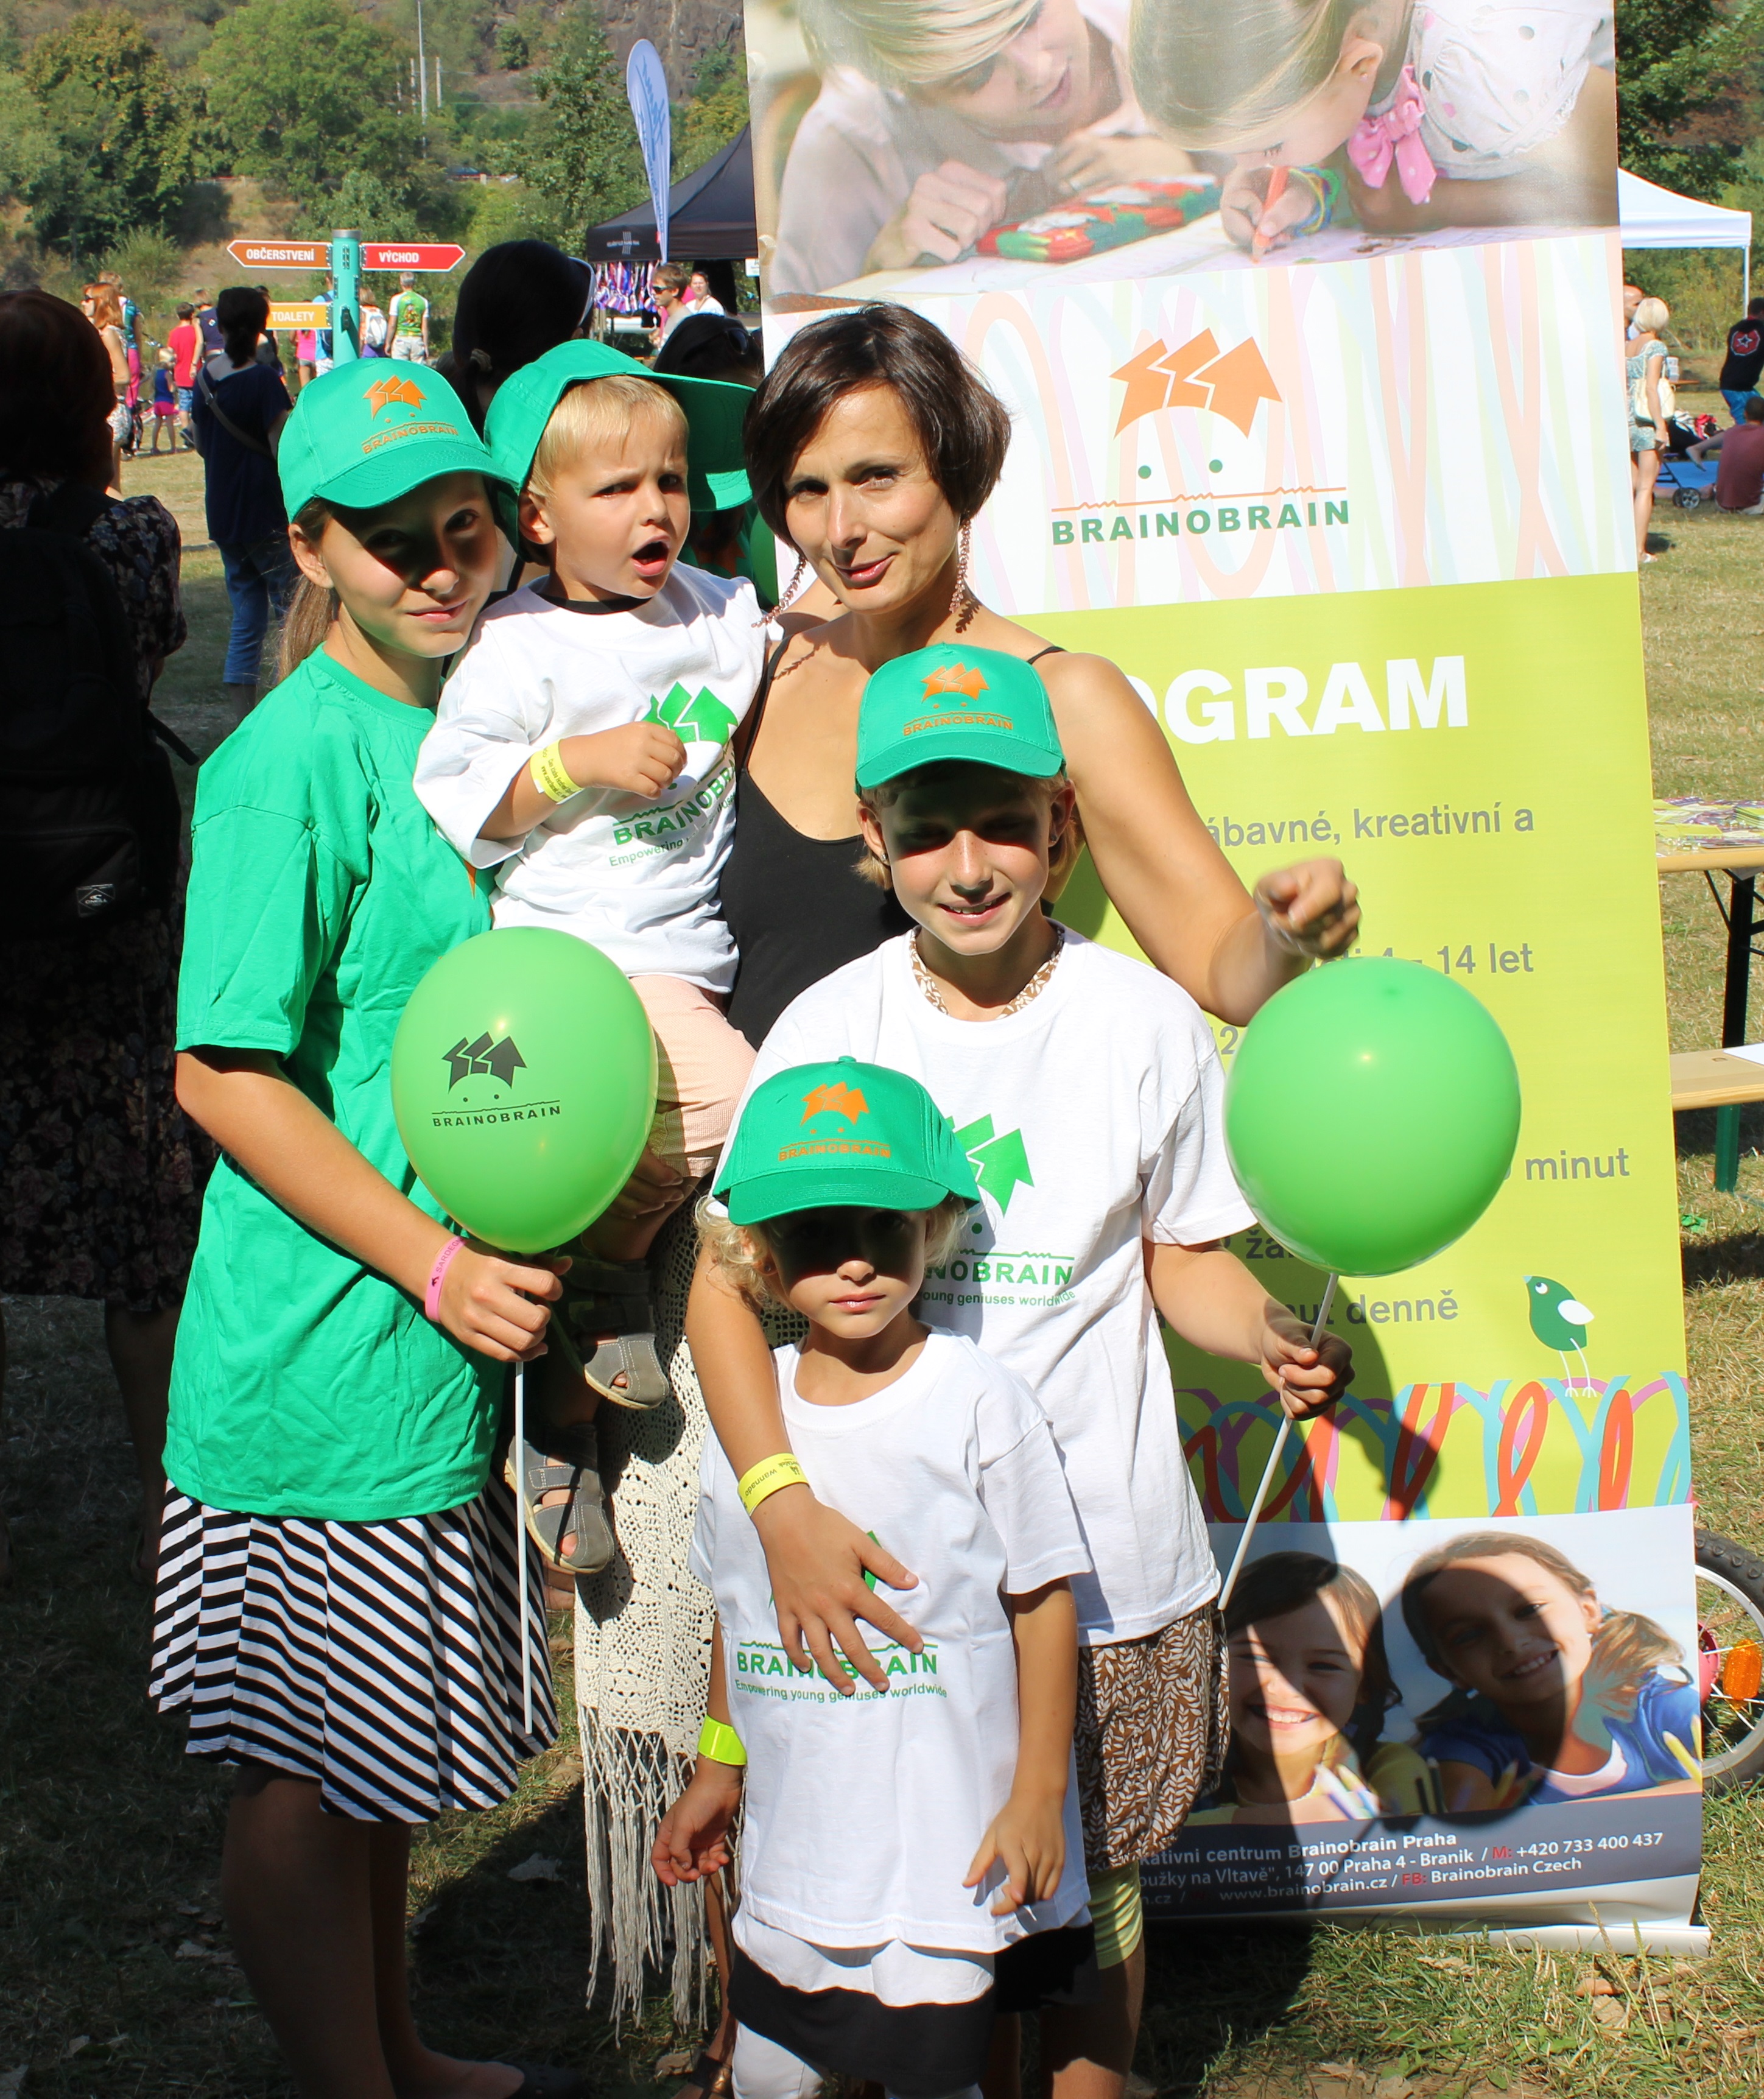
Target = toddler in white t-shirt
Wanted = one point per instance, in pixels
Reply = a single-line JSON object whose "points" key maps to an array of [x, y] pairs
{"points": [[897, 1844], [1086, 1090], [581, 749]]}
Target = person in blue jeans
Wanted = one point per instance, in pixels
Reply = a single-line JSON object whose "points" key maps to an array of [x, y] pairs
{"points": [[241, 407], [1744, 360]]}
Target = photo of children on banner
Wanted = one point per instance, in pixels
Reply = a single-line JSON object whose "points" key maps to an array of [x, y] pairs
{"points": [[1458, 113], [1494, 1676], [960, 140]]}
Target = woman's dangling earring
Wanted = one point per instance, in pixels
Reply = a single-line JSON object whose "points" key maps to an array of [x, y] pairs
{"points": [[800, 577], [963, 605]]}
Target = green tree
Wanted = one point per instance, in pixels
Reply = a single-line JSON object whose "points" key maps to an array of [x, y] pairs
{"points": [[124, 154], [1681, 63], [582, 154], [303, 91]]}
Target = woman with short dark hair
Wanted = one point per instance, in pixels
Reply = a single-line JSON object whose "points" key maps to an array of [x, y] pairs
{"points": [[241, 405], [101, 1177], [871, 445]]}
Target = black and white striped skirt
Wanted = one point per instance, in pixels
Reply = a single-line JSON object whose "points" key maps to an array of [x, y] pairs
{"points": [[384, 1659]]}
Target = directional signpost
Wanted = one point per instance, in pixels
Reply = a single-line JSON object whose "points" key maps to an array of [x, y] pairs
{"points": [[345, 256]]}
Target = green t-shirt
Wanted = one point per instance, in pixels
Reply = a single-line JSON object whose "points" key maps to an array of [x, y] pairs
{"points": [[408, 311], [306, 1384]]}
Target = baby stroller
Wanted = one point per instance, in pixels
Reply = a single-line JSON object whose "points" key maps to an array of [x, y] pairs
{"points": [[1689, 480]]}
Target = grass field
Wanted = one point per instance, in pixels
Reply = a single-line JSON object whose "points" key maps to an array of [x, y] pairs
{"points": [[114, 1974]]}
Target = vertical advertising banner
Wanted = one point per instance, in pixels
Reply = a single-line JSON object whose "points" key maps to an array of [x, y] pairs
{"points": [[1315, 363]]}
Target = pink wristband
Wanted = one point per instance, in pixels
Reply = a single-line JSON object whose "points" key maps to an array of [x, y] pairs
{"points": [[437, 1275]]}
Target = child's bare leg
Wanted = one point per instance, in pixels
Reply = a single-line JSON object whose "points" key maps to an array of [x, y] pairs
{"points": [[1088, 2049]]}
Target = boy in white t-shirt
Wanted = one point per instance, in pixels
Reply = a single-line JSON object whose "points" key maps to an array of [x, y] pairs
{"points": [[1086, 1089], [581, 749], [895, 1844]]}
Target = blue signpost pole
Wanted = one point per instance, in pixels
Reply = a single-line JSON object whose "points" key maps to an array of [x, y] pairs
{"points": [[345, 301]]}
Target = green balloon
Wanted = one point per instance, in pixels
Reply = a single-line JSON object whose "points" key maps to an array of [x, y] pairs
{"points": [[1372, 1115], [523, 1079]]}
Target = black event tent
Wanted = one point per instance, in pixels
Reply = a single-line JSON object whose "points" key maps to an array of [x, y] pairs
{"points": [[710, 216]]}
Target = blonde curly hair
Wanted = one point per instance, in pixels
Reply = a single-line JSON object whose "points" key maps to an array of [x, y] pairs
{"points": [[741, 1255]]}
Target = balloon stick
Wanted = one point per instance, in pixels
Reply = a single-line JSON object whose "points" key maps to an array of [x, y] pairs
{"points": [[1274, 1456], [520, 1547]]}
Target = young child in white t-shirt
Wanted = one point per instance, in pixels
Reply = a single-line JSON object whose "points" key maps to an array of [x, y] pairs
{"points": [[581, 749], [895, 1844], [1086, 1090]]}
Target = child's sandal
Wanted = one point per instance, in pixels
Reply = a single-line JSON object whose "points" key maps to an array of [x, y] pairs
{"points": [[609, 1327], [571, 1468]]}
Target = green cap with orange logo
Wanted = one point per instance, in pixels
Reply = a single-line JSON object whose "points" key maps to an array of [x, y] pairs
{"points": [[370, 431], [948, 701], [841, 1136], [716, 471]]}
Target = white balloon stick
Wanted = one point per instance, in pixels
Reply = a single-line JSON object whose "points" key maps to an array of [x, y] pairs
{"points": [[1274, 1456], [521, 1543]]}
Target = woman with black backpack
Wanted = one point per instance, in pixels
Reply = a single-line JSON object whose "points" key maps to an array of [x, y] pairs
{"points": [[240, 407], [101, 1177]]}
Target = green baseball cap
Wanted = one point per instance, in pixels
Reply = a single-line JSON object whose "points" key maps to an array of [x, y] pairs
{"points": [[948, 701], [841, 1135], [371, 430], [716, 472]]}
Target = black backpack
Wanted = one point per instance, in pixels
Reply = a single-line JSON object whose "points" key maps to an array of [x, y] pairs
{"points": [[88, 815]]}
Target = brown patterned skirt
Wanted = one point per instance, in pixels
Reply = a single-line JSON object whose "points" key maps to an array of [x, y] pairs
{"points": [[1153, 1725], [101, 1176]]}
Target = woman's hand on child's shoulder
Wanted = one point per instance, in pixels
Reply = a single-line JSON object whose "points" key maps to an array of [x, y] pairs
{"points": [[817, 1559], [1308, 1380], [501, 1308], [691, 1843], [641, 758]]}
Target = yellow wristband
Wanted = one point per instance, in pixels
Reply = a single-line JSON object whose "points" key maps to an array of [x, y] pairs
{"points": [[546, 770], [767, 1478], [719, 1740]]}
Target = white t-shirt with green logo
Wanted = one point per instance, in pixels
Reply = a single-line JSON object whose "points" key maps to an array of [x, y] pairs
{"points": [[863, 1813], [638, 876], [1093, 1120]]}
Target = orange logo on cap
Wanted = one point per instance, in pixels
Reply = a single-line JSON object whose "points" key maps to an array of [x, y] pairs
{"points": [[958, 680], [841, 1100], [384, 392]]}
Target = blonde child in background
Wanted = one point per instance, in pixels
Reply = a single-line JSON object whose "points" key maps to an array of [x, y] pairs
{"points": [[1436, 112], [1310, 1685], [898, 1846], [581, 750], [1558, 1698]]}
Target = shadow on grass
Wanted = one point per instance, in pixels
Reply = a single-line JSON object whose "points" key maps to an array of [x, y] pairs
{"points": [[1211, 1990]]}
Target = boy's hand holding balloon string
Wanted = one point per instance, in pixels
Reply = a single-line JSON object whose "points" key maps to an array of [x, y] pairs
{"points": [[1215, 1303], [1370, 1116]]}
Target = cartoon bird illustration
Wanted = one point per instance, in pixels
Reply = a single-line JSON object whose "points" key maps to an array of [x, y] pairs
{"points": [[1559, 1321]]}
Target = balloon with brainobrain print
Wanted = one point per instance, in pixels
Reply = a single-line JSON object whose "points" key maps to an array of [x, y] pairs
{"points": [[523, 1079]]}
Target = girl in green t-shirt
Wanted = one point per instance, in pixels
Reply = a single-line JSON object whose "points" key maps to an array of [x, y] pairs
{"points": [[337, 1579]]}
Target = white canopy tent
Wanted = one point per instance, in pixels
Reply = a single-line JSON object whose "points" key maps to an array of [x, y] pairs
{"points": [[1651, 217]]}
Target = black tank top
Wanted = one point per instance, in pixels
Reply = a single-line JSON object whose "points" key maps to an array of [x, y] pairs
{"points": [[796, 906]]}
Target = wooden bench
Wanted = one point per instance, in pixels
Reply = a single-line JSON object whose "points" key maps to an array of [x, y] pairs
{"points": [[1717, 1079], [1714, 1079]]}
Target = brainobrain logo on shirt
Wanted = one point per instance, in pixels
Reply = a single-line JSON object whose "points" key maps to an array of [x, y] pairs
{"points": [[694, 718], [836, 1104], [484, 1058], [956, 686]]}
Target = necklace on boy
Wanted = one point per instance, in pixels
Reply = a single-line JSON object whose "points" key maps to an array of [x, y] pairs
{"points": [[1034, 988]]}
